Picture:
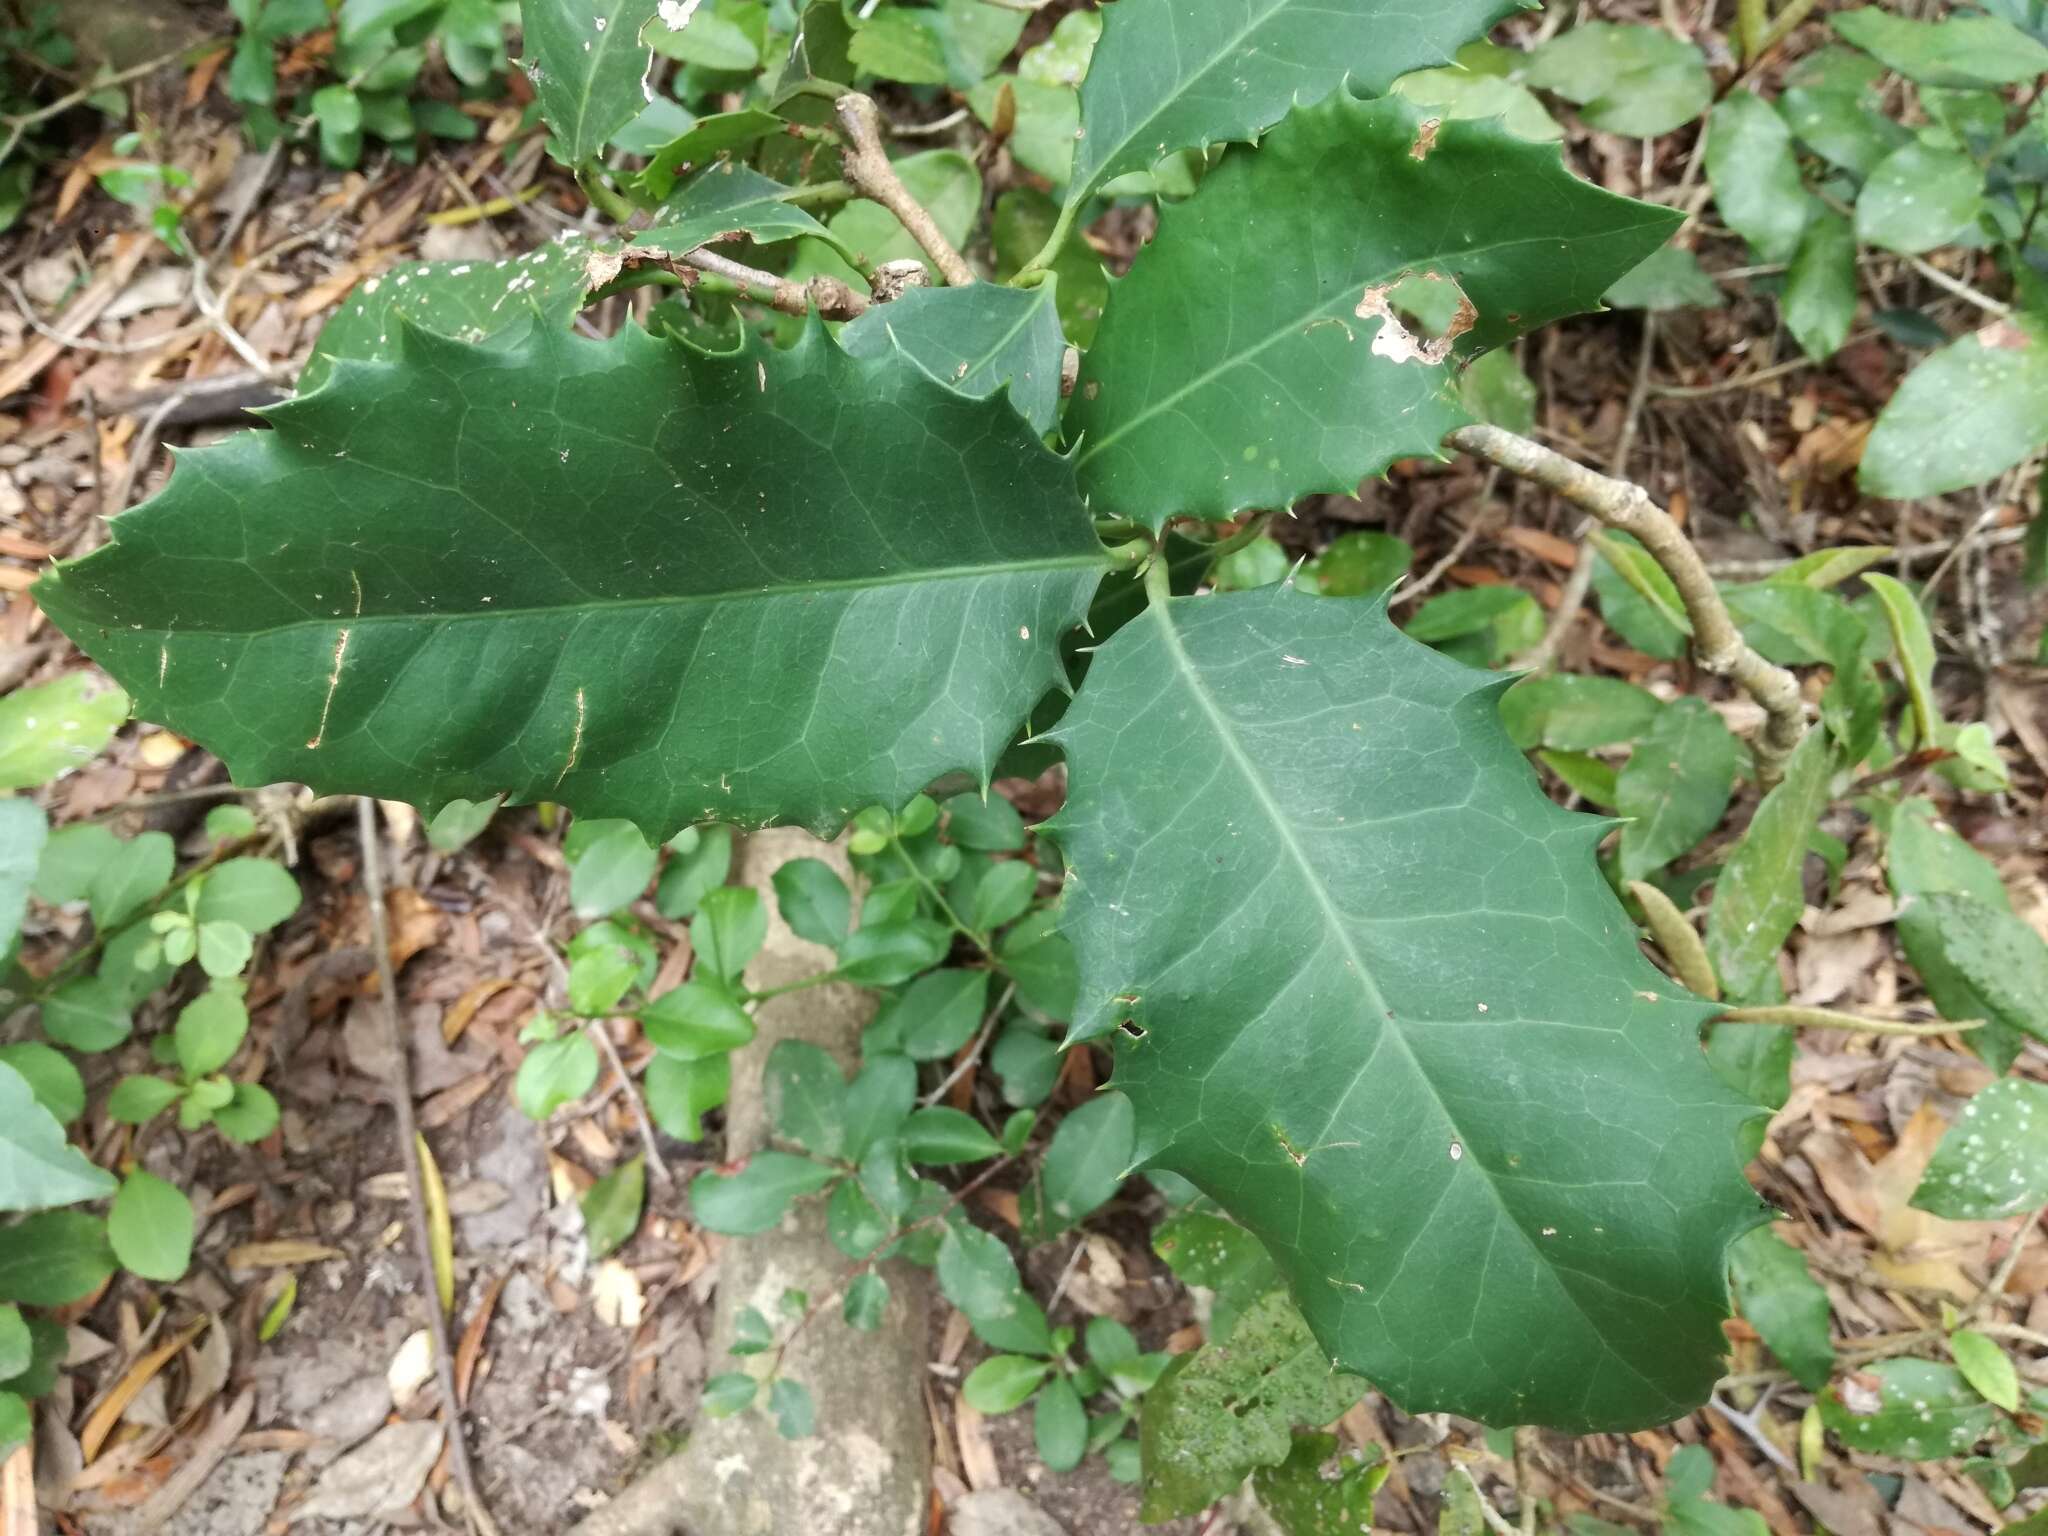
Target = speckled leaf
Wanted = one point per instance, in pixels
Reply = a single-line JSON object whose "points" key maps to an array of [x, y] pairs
{"points": [[1994, 1160], [1181, 74], [1924, 858], [1917, 1409], [586, 62], [1377, 1001], [1220, 1412], [1205, 396], [1999, 954], [487, 302], [1972, 410], [625, 576]]}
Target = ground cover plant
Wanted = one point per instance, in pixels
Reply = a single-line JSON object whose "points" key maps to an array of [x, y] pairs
{"points": [[875, 488]]}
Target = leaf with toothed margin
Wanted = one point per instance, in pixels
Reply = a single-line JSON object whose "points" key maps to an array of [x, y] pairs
{"points": [[488, 302], [588, 67], [975, 340], [1376, 1000], [1257, 352], [1184, 74], [629, 576]]}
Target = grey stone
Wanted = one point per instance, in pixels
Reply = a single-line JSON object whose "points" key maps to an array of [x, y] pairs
{"points": [[1001, 1512]]}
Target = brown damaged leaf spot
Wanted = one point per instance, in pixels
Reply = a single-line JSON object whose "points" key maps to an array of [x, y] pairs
{"points": [[1395, 341], [1425, 138], [2003, 336]]}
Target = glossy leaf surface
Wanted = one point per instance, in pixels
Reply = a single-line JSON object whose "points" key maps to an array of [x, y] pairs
{"points": [[625, 576], [1468, 1119], [1205, 394]]}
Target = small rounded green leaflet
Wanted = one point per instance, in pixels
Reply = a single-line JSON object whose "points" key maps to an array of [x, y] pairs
{"points": [[1003, 1382], [695, 1020], [752, 1198], [150, 1226], [89, 1014], [680, 1093], [1059, 1425]]}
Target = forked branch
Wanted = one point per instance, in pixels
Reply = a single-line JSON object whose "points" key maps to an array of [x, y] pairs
{"points": [[869, 172], [1717, 644]]}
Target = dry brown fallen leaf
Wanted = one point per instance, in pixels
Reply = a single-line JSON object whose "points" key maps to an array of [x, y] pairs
{"points": [[280, 1252], [1914, 1248], [380, 1477]]}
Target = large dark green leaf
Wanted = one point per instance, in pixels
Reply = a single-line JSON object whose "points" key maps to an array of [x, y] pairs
{"points": [[1206, 393], [1182, 74], [586, 62], [626, 576], [1378, 1002]]}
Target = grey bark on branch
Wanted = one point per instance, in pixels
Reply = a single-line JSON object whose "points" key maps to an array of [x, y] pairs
{"points": [[869, 172], [1717, 644]]}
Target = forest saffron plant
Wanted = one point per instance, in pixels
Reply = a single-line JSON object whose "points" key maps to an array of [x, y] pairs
{"points": [[1367, 988]]}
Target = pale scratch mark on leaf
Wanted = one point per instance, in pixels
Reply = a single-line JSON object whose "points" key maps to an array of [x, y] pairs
{"points": [[333, 682], [163, 663], [575, 741], [357, 582]]}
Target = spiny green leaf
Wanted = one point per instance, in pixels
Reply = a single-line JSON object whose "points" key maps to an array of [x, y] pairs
{"points": [[1183, 74], [1224, 1410], [486, 302], [1246, 760], [588, 618], [976, 341], [725, 201], [586, 62], [38, 1167], [1306, 379]]}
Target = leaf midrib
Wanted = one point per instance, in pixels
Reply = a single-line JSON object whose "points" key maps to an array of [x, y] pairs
{"points": [[1262, 796], [683, 599]]}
